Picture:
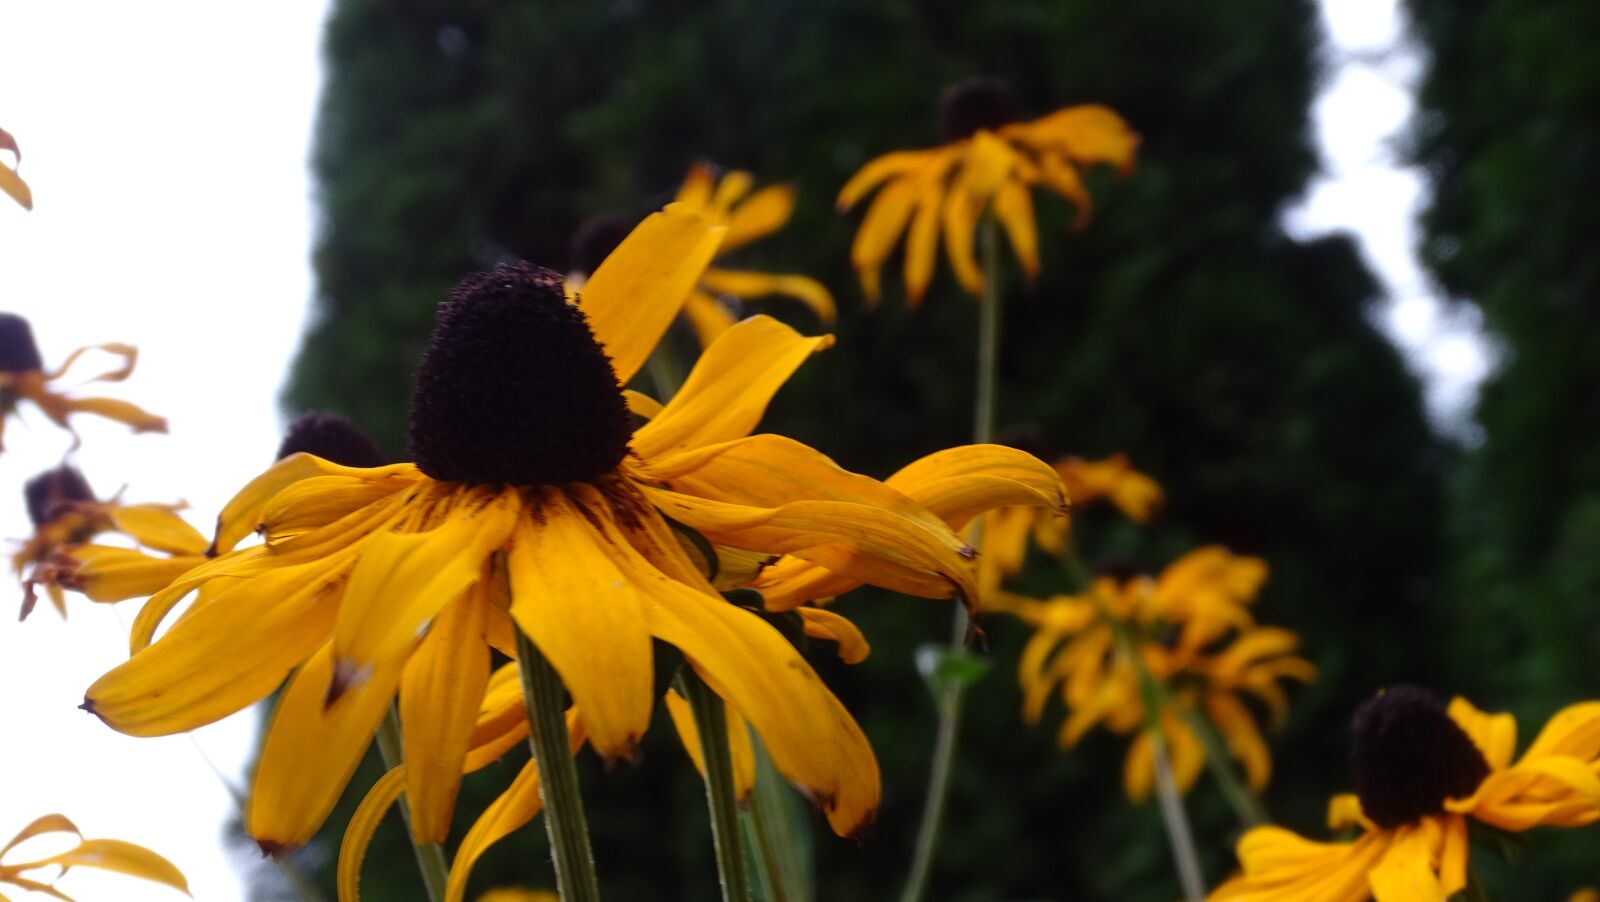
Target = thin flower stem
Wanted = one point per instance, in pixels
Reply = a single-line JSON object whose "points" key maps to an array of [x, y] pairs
{"points": [[545, 699], [1243, 801], [711, 724], [1474, 891], [775, 827], [430, 856], [950, 698], [1176, 822]]}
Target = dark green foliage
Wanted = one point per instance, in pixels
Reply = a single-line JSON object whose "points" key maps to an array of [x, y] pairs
{"points": [[1237, 366]]}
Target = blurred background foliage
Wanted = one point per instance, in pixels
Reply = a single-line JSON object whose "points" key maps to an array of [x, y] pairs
{"points": [[1238, 366]]}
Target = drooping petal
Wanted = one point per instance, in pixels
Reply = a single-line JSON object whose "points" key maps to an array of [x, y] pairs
{"points": [[887, 166], [1495, 735], [922, 244], [1406, 872], [117, 856], [311, 750], [109, 573], [358, 833], [729, 388], [633, 296], [13, 185], [761, 214], [881, 228], [1088, 133], [1014, 208], [1281, 866], [1244, 740], [241, 515], [707, 316], [39, 826], [733, 186], [440, 694], [824, 624], [739, 748], [752, 285], [582, 610], [58, 408], [222, 657], [158, 527]]}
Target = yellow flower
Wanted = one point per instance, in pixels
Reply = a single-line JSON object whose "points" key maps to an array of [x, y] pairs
{"points": [[1114, 479], [534, 502], [112, 855], [1422, 770], [1075, 647], [22, 375], [10, 182], [728, 201], [65, 514], [988, 166]]}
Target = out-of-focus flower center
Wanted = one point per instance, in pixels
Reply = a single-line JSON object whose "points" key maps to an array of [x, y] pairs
{"points": [[1409, 757], [18, 352], [977, 103], [332, 438], [514, 389], [52, 492]]}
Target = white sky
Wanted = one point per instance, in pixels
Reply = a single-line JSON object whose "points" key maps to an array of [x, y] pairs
{"points": [[166, 144]]}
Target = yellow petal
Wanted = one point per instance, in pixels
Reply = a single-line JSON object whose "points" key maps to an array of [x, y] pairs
{"points": [[502, 720], [1495, 735], [922, 244], [1406, 873], [159, 527], [889, 165], [49, 823], [358, 833], [1243, 737], [320, 501], [1014, 208], [241, 515], [707, 316], [1089, 134], [117, 856], [740, 749], [585, 614], [730, 189], [1065, 181], [881, 228], [751, 285], [695, 192], [820, 623], [515, 807], [761, 214], [729, 388], [107, 573], [222, 657], [131, 415], [637, 291], [960, 220], [403, 579], [311, 750], [12, 184], [440, 694]]}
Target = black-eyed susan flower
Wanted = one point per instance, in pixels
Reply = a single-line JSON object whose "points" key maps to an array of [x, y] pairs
{"points": [[533, 503], [749, 215], [39, 875], [66, 514], [1082, 651], [167, 546], [10, 182], [1423, 772], [990, 163], [23, 377]]}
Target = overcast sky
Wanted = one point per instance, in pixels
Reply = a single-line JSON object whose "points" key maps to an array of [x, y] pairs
{"points": [[166, 144]]}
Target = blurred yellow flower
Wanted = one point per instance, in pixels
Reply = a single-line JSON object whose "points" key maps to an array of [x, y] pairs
{"points": [[66, 514], [749, 216], [22, 376], [1422, 770], [112, 855], [990, 163], [534, 503], [11, 183], [1114, 479], [1076, 650]]}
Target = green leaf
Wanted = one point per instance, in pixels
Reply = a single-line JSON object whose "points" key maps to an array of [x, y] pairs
{"points": [[943, 667]]}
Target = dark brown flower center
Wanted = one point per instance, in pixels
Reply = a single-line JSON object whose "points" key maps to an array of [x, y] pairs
{"points": [[18, 351], [50, 493], [1409, 757], [332, 438], [514, 388], [977, 103]]}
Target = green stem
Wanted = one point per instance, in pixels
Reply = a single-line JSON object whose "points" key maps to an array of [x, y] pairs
{"points": [[430, 856], [1173, 818], [545, 699], [775, 827], [711, 723], [1474, 891], [950, 698], [1218, 760]]}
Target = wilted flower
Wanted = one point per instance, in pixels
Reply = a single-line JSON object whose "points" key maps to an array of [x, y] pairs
{"points": [[105, 854], [22, 376], [1421, 772], [990, 163]]}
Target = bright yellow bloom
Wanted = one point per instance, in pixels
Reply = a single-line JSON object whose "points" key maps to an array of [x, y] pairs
{"points": [[1422, 771], [112, 855], [1076, 649], [66, 514], [22, 375], [535, 503], [989, 166], [11, 183], [749, 216]]}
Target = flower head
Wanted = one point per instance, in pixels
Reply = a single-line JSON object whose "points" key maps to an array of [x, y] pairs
{"points": [[727, 199], [1422, 771], [104, 854], [533, 504], [23, 376], [990, 162]]}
